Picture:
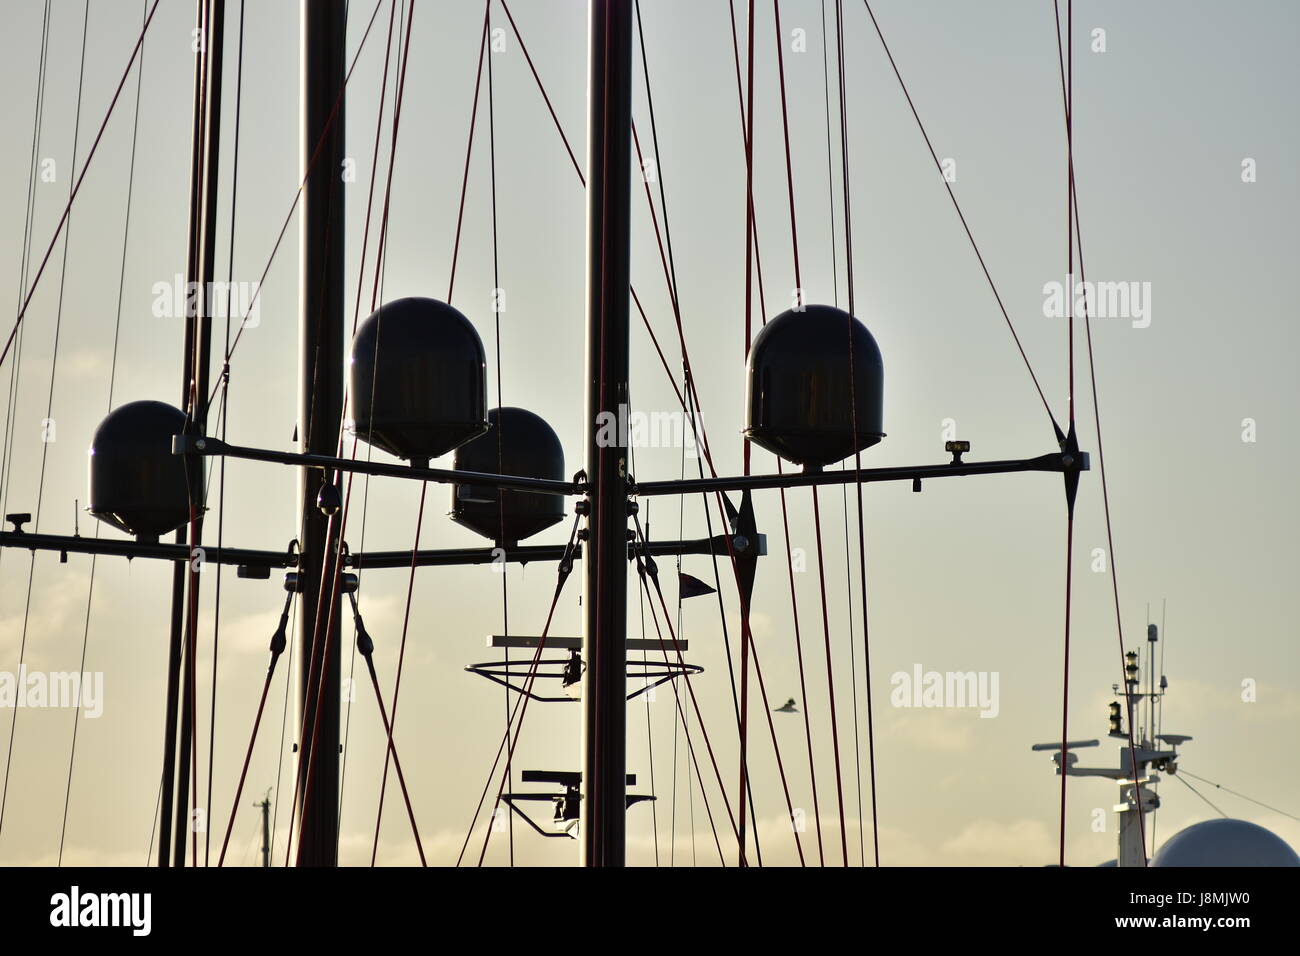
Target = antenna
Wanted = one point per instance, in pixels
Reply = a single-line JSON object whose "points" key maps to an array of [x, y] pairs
{"points": [[1137, 792]]}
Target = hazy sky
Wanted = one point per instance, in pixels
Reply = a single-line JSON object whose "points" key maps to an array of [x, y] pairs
{"points": [[967, 576]]}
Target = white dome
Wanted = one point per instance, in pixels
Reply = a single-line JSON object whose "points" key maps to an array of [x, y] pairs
{"points": [[1225, 842]]}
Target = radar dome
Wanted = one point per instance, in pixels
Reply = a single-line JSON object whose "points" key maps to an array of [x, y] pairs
{"points": [[816, 387], [521, 443], [1225, 842], [418, 383], [136, 483]]}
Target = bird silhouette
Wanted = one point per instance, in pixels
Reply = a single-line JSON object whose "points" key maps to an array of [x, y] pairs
{"points": [[787, 708]]}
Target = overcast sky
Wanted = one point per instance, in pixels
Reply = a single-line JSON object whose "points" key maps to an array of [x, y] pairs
{"points": [[967, 576]]}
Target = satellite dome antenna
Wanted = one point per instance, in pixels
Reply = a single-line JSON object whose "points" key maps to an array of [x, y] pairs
{"points": [[812, 401], [418, 381], [136, 484], [517, 442]]}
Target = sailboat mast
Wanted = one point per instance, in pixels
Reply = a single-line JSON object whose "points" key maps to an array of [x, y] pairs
{"points": [[320, 412], [609, 159], [176, 814]]}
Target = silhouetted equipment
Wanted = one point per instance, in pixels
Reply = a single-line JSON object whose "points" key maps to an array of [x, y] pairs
{"points": [[803, 392], [419, 382], [328, 499], [517, 443], [136, 483]]}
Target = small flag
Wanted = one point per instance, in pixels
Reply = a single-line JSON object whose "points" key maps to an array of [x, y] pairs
{"points": [[689, 587]]}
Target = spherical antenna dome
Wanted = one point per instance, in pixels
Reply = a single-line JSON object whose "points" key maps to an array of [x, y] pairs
{"points": [[136, 483], [1225, 842], [517, 442], [419, 385], [804, 390]]}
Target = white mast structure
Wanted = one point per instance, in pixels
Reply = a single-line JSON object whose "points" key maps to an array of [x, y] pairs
{"points": [[1137, 792]]}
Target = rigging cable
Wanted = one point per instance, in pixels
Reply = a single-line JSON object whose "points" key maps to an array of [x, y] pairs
{"points": [[1069, 519], [821, 558], [49, 408], [521, 705], [332, 566], [311, 164], [24, 262], [67, 209], [1101, 456], [112, 379], [785, 519], [497, 306], [745, 635], [1219, 786], [1180, 779], [668, 261], [957, 207], [225, 421], [844, 491], [686, 361], [694, 394], [393, 14], [853, 405], [335, 571]]}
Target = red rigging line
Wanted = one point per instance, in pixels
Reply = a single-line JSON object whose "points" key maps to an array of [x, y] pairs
{"points": [[356, 316], [680, 714], [391, 751], [469, 149], [380, 259], [821, 562], [223, 416], [857, 455], [1067, 102], [311, 164], [785, 128], [794, 606], [374, 175], [560, 129], [1069, 525], [333, 566], [501, 500], [63, 270], [957, 207], [690, 383], [67, 209], [749, 284], [681, 335]]}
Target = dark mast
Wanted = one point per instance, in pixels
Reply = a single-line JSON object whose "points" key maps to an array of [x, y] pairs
{"points": [[609, 159], [320, 414]]}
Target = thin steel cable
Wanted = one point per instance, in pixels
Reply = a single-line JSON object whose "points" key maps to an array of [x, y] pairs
{"points": [[960, 215], [225, 422], [67, 209], [1101, 456], [112, 378], [49, 409], [311, 164], [393, 14], [1180, 779], [1219, 786]]}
